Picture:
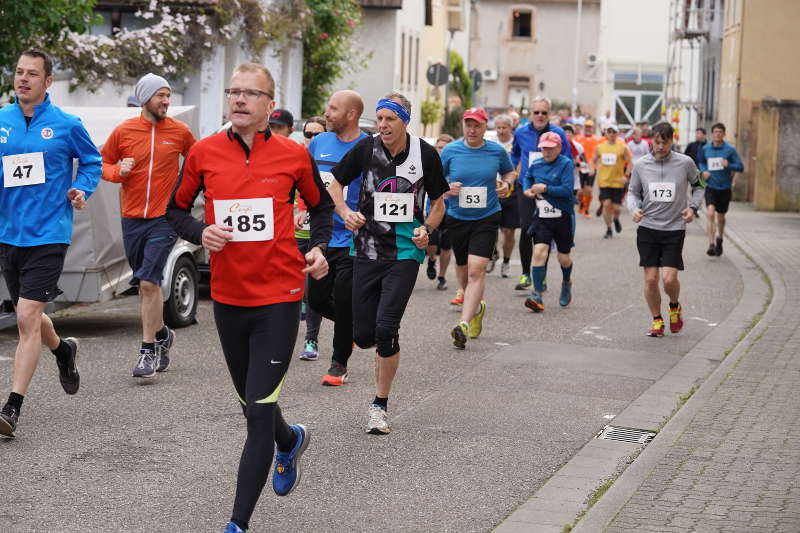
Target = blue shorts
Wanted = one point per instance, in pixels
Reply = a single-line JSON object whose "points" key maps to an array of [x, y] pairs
{"points": [[148, 242]]}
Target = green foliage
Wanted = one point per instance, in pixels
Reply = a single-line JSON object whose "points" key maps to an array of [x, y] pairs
{"points": [[452, 122], [41, 24], [430, 112], [460, 82], [327, 50]]}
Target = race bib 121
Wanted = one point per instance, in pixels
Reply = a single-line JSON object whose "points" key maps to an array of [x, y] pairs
{"points": [[394, 207], [251, 218]]}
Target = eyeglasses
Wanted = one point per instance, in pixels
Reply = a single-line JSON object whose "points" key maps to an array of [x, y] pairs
{"points": [[539, 112], [249, 94], [311, 134]]}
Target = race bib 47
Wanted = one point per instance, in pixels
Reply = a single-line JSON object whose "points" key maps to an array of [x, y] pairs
{"points": [[23, 169]]}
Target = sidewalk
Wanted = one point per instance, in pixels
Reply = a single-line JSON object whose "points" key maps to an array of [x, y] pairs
{"points": [[732, 459]]}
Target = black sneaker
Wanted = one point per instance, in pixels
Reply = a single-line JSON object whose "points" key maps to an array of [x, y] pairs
{"points": [[718, 251], [617, 225], [712, 250], [68, 372], [442, 285], [608, 234], [431, 270], [8, 421]]}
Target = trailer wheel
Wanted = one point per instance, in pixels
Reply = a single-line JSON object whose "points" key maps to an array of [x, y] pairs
{"points": [[181, 306]]}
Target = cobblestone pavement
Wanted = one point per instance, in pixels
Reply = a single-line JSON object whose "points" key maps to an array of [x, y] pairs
{"points": [[736, 467]]}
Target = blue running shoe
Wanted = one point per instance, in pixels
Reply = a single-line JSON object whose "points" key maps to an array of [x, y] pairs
{"points": [[566, 294], [310, 353], [287, 464], [233, 528]]}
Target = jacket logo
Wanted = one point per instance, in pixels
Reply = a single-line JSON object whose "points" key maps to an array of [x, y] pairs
{"points": [[412, 169], [167, 142], [47, 133], [7, 130]]}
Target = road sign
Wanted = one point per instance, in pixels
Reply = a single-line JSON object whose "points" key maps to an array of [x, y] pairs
{"points": [[437, 74]]}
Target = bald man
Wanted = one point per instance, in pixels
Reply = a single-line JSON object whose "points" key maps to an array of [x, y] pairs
{"points": [[332, 295]]}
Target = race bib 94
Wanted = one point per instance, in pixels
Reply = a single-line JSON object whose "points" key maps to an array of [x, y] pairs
{"points": [[394, 207], [251, 218], [661, 191], [472, 197], [23, 169], [546, 209]]}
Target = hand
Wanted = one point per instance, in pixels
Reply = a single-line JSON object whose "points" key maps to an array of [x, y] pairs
{"points": [[725, 163], [706, 174], [503, 189], [638, 215], [455, 188], [353, 220], [317, 264], [687, 214], [420, 237], [300, 219], [215, 237], [529, 193], [625, 180], [77, 198], [593, 172], [538, 188], [125, 166]]}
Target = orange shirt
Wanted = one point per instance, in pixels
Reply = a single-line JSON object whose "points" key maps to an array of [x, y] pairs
{"points": [[156, 150], [589, 144]]}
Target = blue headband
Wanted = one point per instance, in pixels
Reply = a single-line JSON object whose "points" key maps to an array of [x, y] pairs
{"points": [[398, 110]]}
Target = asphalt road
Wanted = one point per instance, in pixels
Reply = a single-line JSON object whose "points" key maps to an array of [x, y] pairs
{"points": [[475, 432]]}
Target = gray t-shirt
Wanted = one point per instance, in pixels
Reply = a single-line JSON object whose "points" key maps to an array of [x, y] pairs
{"points": [[660, 187]]}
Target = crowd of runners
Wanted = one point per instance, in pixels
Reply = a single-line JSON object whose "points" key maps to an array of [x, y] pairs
{"points": [[334, 228]]}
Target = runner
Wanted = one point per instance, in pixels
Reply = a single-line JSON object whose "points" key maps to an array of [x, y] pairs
{"points": [[313, 127], [247, 175], [611, 158], [281, 122], [472, 165], [718, 161], [439, 242], [694, 148], [589, 141], [658, 199], [38, 142], [143, 154], [638, 146], [578, 159], [389, 234], [332, 295], [509, 205], [524, 152], [549, 182]]}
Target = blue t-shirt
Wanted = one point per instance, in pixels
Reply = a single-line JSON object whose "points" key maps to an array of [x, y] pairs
{"points": [[327, 150], [475, 167], [709, 157]]}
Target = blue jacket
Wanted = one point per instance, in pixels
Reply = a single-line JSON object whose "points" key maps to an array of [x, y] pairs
{"points": [[526, 140], [558, 176], [720, 179], [33, 215]]}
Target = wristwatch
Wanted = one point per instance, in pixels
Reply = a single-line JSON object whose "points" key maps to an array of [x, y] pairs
{"points": [[428, 228], [694, 209]]}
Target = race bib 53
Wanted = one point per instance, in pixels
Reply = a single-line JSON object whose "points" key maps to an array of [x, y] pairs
{"points": [[472, 197]]}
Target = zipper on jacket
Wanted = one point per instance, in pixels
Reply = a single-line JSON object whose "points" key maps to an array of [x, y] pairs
{"points": [[150, 169]]}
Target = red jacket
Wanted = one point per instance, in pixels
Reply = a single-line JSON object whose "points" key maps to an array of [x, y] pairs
{"points": [[261, 272]]}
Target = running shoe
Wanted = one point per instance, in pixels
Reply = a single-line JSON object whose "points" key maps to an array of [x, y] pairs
{"points": [[68, 372], [608, 234], [377, 423], [534, 302], [718, 251], [431, 271], [286, 476], [599, 211], [617, 225], [505, 269], [566, 294], [459, 299], [146, 365], [442, 285], [675, 319], [336, 376], [8, 421], [476, 323], [162, 349], [233, 528], [657, 328], [492, 262], [310, 352], [459, 334], [587, 215], [712, 250], [524, 283]]}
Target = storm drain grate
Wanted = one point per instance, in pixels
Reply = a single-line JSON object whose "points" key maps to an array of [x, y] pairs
{"points": [[640, 436]]}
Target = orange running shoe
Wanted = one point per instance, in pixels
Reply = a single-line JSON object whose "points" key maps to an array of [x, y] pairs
{"points": [[675, 319], [336, 376], [657, 328], [459, 299]]}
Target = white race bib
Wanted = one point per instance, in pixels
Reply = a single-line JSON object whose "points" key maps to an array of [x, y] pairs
{"points": [[306, 222], [533, 156], [327, 179], [472, 197], [251, 218], [393, 206], [661, 191], [609, 159], [23, 169], [546, 210], [715, 163]]}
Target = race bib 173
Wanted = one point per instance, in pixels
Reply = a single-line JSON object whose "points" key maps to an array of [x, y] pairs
{"points": [[251, 218], [23, 169], [661, 191]]}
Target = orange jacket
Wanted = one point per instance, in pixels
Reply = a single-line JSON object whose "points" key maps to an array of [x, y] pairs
{"points": [[155, 149]]}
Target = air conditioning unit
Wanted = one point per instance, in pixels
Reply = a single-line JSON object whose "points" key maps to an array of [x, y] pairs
{"points": [[489, 74], [455, 17], [591, 59]]}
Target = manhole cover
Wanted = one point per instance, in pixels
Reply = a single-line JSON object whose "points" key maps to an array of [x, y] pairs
{"points": [[640, 436]]}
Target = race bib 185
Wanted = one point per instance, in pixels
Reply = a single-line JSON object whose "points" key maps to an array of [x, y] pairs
{"points": [[251, 218], [472, 197], [661, 191], [715, 163], [23, 169], [394, 207]]}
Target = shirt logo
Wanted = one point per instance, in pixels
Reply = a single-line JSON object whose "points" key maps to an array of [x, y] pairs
{"points": [[7, 130], [325, 155], [166, 142], [412, 169], [47, 133], [294, 291]]}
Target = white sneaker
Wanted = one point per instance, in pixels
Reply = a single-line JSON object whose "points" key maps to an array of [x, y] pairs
{"points": [[377, 424], [505, 268]]}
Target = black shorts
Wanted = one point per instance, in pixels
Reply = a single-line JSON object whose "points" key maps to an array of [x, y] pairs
{"points": [[719, 198], [473, 237], [526, 207], [547, 230], [381, 290], [660, 248], [509, 210], [440, 238], [148, 242], [614, 194], [32, 272], [587, 180]]}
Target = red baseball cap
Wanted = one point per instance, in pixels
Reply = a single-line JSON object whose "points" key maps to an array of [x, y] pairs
{"points": [[549, 140], [476, 113]]}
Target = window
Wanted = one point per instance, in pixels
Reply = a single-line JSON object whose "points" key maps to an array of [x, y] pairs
{"points": [[416, 65], [429, 12], [402, 58], [522, 27]]}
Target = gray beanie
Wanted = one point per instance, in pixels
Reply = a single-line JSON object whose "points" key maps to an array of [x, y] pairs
{"points": [[148, 86]]}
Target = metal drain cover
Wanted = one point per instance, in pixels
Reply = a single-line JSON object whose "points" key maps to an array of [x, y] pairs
{"points": [[640, 436]]}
